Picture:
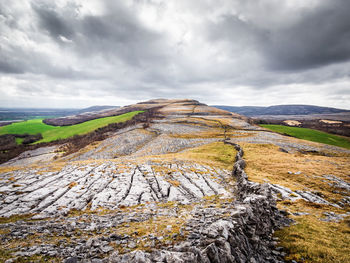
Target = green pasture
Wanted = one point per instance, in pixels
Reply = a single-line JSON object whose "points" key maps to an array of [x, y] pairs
{"points": [[310, 135], [52, 133]]}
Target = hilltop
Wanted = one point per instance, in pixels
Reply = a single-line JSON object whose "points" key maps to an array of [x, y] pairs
{"points": [[179, 182]]}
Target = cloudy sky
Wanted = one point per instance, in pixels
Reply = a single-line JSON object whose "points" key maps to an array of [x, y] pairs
{"points": [[107, 52]]}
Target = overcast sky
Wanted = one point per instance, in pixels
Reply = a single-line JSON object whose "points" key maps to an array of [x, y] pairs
{"points": [[232, 52]]}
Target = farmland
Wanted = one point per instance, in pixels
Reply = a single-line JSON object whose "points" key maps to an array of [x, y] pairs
{"points": [[52, 133], [310, 135]]}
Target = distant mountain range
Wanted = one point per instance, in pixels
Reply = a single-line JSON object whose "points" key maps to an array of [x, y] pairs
{"points": [[8, 114], [97, 108], [250, 111], [280, 110]]}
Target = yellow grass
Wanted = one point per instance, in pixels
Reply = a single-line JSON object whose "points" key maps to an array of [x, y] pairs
{"points": [[198, 121], [15, 218], [72, 184], [161, 226], [174, 183], [267, 163], [6, 169], [310, 240], [215, 154]]}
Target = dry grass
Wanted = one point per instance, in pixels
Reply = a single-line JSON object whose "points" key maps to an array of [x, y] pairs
{"points": [[207, 134], [226, 121], [267, 163], [166, 229], [72, 184], [34, 240], [170, 229], [15, 218], [314, 209], [199, 121], [7, 169], [213, 110], [174, 183], [5, 254], [212, 133], [90, 147], [31, 240], [55, 166], [309, 240], [215, 154]]}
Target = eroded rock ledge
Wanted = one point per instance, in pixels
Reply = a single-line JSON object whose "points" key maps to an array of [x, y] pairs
{"points": [[245, 236]]}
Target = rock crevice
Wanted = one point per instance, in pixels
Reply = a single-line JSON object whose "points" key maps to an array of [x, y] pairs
{"points": [[245, 236]]}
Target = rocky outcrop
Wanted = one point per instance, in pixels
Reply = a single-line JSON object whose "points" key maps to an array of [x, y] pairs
{"points": [[245, 236], [108, 185]]}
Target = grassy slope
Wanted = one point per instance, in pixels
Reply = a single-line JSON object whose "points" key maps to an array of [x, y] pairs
{"points": [[51, 133], [310, 135], [310, 239], [216, 154]]}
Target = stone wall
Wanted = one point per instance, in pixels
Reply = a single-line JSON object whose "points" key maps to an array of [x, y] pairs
{"points": [[245, 236]]}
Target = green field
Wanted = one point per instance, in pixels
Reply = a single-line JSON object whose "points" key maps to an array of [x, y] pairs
{"points": [[310, 135], [52, 133]]}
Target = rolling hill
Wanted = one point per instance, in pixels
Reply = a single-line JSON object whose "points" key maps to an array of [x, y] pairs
{"points": [[281, 110], [180, 182]]}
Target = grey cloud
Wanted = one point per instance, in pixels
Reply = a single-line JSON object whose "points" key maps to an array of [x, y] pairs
{"points": [[320, 38], [117, 33], [123, 39], [342, 92], [51, 21], [10, 67], [17, 57], [12, 61], [236, 30], [16, 60], [210, 52], [314, 38]]}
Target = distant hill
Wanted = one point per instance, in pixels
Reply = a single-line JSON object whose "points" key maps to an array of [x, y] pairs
{"points": [[10, 114], [281, 110], [97, 108]]}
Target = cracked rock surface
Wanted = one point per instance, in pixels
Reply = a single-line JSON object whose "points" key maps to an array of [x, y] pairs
{"points": [[108, 185]]}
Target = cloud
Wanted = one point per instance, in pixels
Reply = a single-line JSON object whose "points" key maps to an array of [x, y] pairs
{"points": [[8, 67], [49, 19], [294, 40], [222, 51], [116, 34], [320, 38]]}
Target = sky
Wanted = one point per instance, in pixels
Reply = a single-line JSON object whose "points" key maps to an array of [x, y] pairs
{"points": [[64, 54]]}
